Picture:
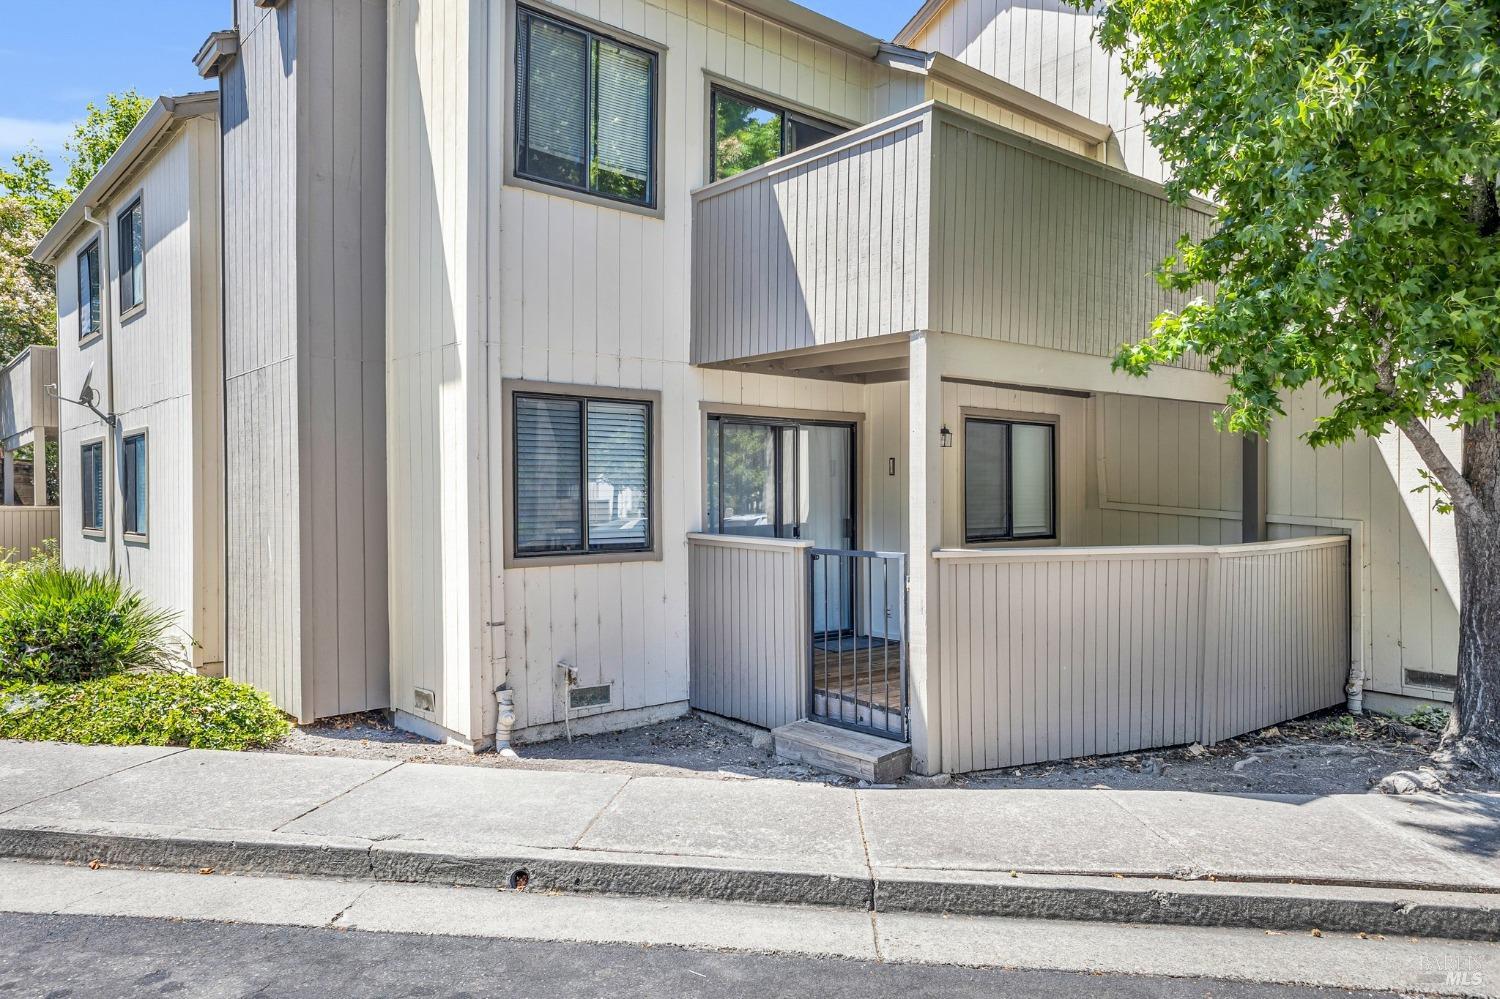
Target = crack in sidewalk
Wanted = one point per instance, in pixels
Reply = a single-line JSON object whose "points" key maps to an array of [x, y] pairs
{"points": [[348, 790], [91, 780]]}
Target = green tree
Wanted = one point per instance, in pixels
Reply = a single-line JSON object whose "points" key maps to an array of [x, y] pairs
{"points": [[1353, 148], [31, 201]]}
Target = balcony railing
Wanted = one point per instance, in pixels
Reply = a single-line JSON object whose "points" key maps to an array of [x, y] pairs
{"points": [[931, 219]]}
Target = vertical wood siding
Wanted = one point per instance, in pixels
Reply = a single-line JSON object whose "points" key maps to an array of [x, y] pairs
{"points": [[304, 126], [23, 529], [829, 248], [932, 220], [24, 401], [263, 465], [1406, 568], [1033, 245], [1074, 652], [166, 372], [748, 628], [1047, 47]]}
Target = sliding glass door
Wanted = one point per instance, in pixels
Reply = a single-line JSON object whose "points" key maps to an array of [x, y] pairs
{"points": [[788, 479]]}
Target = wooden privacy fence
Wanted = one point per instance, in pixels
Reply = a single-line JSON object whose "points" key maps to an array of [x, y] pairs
{"points": [[748, 634], [1046, 654], [24, 528]]}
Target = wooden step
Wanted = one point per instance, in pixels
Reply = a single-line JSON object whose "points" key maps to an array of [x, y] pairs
{"points": [[853, 754]]}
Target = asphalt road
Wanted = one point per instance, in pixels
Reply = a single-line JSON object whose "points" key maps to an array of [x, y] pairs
{"points": [[71, 957]]}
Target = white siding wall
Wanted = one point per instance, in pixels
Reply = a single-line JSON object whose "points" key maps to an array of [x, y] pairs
{"points": [[165, 360]]}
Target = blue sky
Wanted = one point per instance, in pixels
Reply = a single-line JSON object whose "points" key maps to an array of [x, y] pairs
{"points": [[57, 55]]}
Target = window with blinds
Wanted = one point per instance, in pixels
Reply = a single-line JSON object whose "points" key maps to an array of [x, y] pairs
{"points": [[585, 110], [1010, 480], [88, 291], [133, 474], [582, 475], [91, 483], [132, 229]]}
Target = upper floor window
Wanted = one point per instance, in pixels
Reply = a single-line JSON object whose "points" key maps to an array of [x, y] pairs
{"points": [[88, 291], [749, 132], [585, 111], [1010, 470], [92, 485], [132, 228]]}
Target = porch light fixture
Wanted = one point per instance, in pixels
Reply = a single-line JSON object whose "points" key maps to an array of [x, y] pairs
{"points": [[945, 436]]}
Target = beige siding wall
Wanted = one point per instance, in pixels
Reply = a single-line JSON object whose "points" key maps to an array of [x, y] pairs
{"points": [[830, 248], [438, 378], [1081, 652], [748, 628], [1047, 48], [961, 227], [165, 368], [263, 474], [490, 281], [304, 358], [1406, 575], [1031, 245], [24, 401], [25, 529]]}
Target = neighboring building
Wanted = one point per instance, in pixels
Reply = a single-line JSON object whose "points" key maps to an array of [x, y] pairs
{"points": [[140, 371], [587, 362]]}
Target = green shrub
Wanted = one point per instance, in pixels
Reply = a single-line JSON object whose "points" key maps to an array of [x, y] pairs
{"points": [[66, 626], [1428, 717], [150, 709], [13, 567]]}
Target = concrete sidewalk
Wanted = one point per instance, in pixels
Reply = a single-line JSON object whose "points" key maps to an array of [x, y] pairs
{"points": [[1418, 865]]}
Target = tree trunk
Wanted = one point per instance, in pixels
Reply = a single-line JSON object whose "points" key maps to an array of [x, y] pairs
{"points": [[1473, 734]]}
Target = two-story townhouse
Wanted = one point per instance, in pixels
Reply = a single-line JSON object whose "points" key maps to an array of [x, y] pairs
{"points": [[139, 376], [588, 361]]}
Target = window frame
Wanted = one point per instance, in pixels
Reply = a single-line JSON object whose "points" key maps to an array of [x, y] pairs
{"points": [[573, 21], [652, 551], [96, 291], [88, 529], [1008, 420], [788, 112], [136, 203], [143, 435]]}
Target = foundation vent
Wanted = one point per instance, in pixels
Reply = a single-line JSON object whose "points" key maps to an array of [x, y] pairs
{"points": [[589, 697]]}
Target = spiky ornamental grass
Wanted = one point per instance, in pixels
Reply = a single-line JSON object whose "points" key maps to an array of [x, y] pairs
{"points": [[66, 626]]}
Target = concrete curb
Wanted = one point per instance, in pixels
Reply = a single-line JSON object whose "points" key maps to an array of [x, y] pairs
{"points": [[1092, 898]]}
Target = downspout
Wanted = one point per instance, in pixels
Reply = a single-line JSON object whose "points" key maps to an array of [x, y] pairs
{"points": [[105, 314]]}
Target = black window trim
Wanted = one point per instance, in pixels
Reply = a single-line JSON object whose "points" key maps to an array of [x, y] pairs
{"points": [[137, 202], [585, 550], [92, 530], [971, 538], [144, 436], [788, 114], [92, 246], [653, 180]]}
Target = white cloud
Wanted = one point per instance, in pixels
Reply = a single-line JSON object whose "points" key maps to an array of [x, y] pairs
{"points": [[18, 133]]}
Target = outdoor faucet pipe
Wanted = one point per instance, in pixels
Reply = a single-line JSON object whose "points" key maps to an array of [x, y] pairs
{"points": [[105, 304]]}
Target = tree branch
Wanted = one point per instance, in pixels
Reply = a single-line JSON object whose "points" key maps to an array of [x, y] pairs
{"points": [[1436, 459]]}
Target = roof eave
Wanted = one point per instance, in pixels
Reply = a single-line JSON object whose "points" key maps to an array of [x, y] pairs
{"points": [[164, 113]]}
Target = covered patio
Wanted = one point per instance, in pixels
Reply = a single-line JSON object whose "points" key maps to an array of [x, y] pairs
{"points": [[1042, 557]]}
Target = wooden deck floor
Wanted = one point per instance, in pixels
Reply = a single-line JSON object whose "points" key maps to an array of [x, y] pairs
{"points": [[867, 676]]}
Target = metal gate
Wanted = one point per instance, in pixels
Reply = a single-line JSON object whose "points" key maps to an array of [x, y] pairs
{"points": [[856, 623]]}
